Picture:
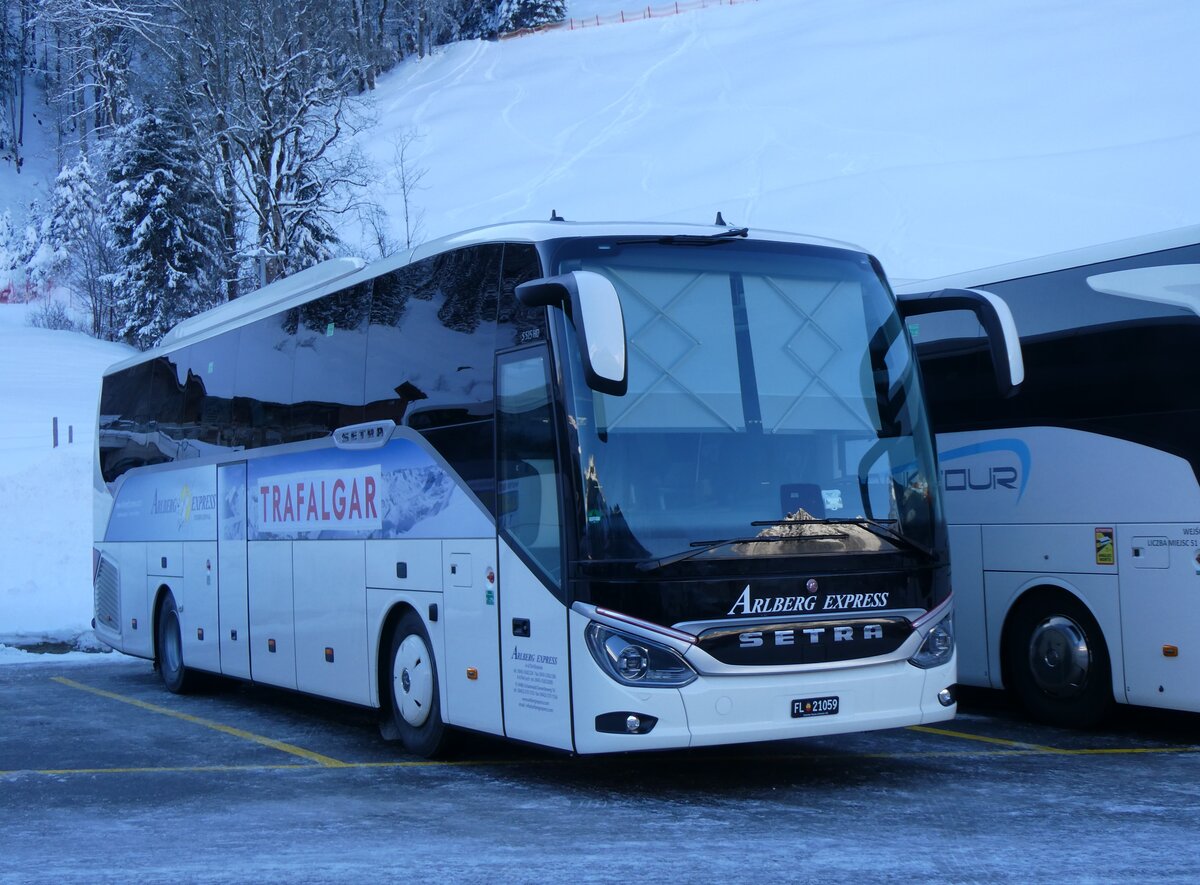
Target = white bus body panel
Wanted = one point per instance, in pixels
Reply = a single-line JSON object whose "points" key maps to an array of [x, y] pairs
{"points": [[471, 666], [1041, 499], [269, 570], [198, 622], [538, 678], [1160, 606], [136, 599], [233, 602], [330, 604], [743, 708], [164, 559], [730, 709]]}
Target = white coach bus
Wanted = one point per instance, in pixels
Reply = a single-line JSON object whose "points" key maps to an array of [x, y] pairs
{"points": [[595, 487], [1074, 507]]}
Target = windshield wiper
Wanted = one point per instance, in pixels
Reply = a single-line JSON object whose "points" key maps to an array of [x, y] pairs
{"points": [[692, 239], [875, 526], [705, 546]]}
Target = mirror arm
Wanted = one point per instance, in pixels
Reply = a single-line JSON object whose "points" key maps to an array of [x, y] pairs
{"points": [[995, 317]]}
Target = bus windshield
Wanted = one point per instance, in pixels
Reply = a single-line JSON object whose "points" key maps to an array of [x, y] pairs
{"points": [[773, 408]]}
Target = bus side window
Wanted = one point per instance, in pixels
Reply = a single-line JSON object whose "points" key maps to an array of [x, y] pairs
{"points": [[266, 353], [330, 368], [516, 323], [208, 398], [430, 349], [123, 421]]}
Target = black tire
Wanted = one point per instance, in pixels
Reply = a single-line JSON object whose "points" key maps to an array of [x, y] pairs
{"points": [[412, 688], [168, 649], [1057, 662]]}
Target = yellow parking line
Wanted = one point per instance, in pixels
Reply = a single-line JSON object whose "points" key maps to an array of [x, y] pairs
{"points": [[326, 761], [1057, 751], [962, 735]]}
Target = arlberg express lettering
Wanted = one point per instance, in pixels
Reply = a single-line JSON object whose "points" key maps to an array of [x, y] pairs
{"points": [[770, 605]]}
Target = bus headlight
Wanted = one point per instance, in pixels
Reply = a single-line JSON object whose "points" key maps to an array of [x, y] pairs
{"points": [[938, 647], [632, 660]]}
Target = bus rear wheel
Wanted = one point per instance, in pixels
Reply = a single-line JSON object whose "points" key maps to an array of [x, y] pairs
{"points": [[1058, 664], [168, 648], [413, 688]]}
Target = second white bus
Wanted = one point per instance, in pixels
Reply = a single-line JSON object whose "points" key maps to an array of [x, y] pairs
{"points": [[1074, 506]]}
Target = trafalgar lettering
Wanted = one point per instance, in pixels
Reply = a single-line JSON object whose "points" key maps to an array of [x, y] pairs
{"points": [[320, 499], [770, 605]]}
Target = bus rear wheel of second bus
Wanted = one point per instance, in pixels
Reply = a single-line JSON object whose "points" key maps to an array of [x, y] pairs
{"points": [[414, 688], [1057, 662]]}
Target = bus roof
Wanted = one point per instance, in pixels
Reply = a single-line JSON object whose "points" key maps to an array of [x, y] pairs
{"points": [[338, 273], [1157, 242]]}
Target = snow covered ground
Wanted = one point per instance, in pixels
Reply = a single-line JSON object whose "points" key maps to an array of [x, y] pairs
{"points": [[940, 135]]}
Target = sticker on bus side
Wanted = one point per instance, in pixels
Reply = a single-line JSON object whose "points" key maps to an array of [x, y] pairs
{"points": [[396, 491], [1106, 550]]}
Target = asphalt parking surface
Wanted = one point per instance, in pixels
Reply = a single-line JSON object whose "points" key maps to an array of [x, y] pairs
{"points": [[104, 776]]}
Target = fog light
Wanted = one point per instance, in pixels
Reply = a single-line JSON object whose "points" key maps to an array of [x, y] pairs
{"points": [[946, 697], [632, 724]]}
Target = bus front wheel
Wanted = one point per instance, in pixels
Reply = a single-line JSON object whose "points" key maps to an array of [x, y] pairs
{"points": [[168, 648], [1058, 664], [414, 688]]}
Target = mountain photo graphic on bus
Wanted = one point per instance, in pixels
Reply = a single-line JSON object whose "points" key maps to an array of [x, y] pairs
{"points": [[597, 487]]}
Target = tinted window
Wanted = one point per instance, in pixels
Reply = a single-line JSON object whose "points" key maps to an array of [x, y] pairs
{"points": [[261, 409], [209, 392], [430, 349], [1097, 362], [331, 347], [516, 323], [124, 421]]}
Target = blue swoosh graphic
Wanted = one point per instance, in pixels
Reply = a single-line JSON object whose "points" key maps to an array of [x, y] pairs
{"points": [[1016, 446]]}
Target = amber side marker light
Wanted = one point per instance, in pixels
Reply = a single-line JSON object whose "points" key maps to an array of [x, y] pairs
{"points": [[1170, 651], [472, 673]]}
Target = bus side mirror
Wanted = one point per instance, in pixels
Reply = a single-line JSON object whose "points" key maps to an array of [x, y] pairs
{"points": [[595, 310], [993, 315]]}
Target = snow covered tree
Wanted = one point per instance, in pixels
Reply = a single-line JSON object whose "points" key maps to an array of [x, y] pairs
{"points": [[512, 15], [163, 225], [70, 244], [278, 99]]}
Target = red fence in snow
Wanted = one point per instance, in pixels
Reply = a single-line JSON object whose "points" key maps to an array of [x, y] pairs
{"points": [[619, 18]]}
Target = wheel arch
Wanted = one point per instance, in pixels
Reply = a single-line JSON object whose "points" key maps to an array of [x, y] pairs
{"points": [[156, 612], [1039, 591]]}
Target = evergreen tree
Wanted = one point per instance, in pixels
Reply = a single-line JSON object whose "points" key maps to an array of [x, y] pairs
{"points": [[162, 223], [512, 15]]}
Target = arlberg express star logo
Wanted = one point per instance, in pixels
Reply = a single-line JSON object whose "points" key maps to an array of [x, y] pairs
{"points": [[183, 505]]}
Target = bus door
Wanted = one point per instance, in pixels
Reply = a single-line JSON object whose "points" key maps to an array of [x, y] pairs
{"points": [[232, 602], [1160, 587], [533, 611]]}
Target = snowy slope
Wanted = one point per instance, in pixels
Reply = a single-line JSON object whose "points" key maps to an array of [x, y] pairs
{"points": [[939, 134], [46, 517]]}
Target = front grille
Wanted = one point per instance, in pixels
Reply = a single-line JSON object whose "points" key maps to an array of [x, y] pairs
{"points": [[108, 594]]}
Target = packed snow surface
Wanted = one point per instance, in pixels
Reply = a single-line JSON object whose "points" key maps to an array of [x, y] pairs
{"points": [[940, 135]]}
